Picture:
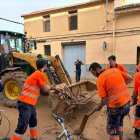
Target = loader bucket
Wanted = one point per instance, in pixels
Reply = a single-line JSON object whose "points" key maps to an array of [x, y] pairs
{"points": [[70, 97], [83, 86]]}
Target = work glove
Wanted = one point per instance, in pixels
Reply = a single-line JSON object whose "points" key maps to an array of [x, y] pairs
{"points": [[98, 108], [53, 87], [134, 101], [56, 90]]}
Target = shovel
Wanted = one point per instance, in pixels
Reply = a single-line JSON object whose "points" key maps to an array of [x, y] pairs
{"points": [[84, 121]]}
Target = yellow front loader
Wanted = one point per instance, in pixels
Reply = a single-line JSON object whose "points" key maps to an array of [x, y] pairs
{"points": [[17, 63]]}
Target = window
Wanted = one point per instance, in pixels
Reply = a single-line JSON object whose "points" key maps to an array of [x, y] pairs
{"points": [[47, 50], [73, 18], [46, 23]]}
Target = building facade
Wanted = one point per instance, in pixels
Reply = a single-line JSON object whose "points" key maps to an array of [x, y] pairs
{"points": [[88, 31]]}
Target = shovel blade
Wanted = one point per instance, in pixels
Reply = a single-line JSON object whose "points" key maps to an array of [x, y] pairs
{"points": [[83, 124], [84, 121]]}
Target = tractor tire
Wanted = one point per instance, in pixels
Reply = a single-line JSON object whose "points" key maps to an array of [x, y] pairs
{"points": [[12, 82]]}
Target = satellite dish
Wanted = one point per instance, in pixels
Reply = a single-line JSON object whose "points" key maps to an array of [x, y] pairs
{"points": [[104, 46]]}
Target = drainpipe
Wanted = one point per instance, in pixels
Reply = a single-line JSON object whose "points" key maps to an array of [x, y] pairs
{"points": [[107, 28], [113, 48], [106, 10], [106, 58]]}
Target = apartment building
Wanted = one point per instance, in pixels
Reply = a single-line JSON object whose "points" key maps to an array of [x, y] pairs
{"points": [[89, 31]]}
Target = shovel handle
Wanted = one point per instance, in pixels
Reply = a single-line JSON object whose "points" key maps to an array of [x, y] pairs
{"points": [[92, 112]]}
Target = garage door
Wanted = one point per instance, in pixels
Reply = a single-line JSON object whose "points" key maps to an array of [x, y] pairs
{"points": [[70, 54]]}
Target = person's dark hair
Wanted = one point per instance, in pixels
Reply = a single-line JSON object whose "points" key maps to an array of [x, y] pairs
{"points": [[40, 63], [112, 57], [39, 56], [95, 65]]}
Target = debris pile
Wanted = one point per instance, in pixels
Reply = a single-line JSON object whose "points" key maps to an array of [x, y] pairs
{"points": [[70, 97]]}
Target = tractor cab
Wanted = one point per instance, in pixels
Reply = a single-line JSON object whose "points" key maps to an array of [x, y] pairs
{"points": [[12, 41]]}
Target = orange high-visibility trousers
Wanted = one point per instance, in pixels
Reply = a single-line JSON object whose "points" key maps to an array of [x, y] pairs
{"points": [[114, 137], [137, 123], [33, 132], [121, 132], [16, 137]]}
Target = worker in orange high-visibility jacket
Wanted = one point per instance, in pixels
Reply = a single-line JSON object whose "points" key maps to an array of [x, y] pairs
{"points": [[28, 99], [113, 64], [112, 89], [136, 100], [137, 69]]}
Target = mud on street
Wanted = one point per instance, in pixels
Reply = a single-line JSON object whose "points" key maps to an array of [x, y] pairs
{"points": [[48, 127]]}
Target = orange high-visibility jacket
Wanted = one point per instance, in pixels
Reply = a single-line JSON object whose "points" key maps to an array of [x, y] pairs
{"points": [[137, 68], [137, 89], [31, 88], [137, 85], [111, 84], [119, 67]]}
